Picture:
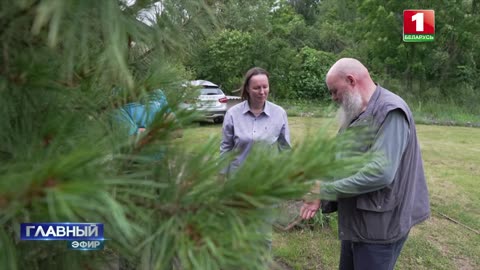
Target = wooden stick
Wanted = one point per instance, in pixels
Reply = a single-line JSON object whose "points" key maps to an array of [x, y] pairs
{"points": [[457, 222]]}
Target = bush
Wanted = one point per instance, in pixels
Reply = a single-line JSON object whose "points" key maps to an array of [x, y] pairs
{"points": [[307, 78]]}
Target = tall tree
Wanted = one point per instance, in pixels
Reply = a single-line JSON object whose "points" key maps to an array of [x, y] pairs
{"points": [[307, 8]]}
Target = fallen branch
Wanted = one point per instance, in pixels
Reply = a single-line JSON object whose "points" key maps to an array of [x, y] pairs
{"points": [[457, 222]]}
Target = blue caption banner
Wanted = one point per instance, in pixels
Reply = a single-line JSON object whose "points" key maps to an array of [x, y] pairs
{"points": [[61, 231]]}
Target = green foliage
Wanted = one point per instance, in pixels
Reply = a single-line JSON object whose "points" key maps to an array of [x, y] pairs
{"points": [[307, 8], [308, 74], [308, 108], [247, 15], [225, 57], [286, 23], [438, 64]]}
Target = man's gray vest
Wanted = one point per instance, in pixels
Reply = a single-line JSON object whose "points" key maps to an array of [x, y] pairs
{"points": [[386, 215]]}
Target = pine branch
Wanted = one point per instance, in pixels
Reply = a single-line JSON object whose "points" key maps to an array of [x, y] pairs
{"points": [[18, 15]]}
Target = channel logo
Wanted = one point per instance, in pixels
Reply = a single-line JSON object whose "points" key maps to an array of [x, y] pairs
{"points": [[418, 25]]}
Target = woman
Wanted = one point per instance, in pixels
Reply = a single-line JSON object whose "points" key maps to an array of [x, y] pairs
{"points": [[253, 120]]}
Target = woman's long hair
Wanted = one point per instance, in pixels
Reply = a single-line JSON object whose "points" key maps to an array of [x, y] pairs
{"points": [[246, 81]]}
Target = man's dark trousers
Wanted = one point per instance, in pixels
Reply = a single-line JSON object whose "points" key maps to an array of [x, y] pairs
{"points": [[365, 256]]}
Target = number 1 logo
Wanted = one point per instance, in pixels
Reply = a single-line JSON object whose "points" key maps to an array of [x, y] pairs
{"points": [[418, 25]]}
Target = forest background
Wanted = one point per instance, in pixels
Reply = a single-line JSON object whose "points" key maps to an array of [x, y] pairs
{"points": [[297, 41]]}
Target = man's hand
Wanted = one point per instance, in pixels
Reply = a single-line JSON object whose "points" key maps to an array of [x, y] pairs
{"points": [[309, 209]]}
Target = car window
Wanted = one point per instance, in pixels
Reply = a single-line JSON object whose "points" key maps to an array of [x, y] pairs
{"points": [[211, 91]]}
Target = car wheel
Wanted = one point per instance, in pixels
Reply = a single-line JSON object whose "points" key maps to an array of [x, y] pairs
{"points": [[218, 120]]}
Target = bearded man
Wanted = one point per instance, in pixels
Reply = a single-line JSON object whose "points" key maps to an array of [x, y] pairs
{"points": [[378, 205]]}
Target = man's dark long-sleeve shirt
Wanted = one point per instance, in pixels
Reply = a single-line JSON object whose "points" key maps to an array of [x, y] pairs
{"points": [[389, 144]]}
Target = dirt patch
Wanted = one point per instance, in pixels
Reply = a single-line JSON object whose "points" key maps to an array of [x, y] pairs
{"points": [[279, 264], [463, 264]]}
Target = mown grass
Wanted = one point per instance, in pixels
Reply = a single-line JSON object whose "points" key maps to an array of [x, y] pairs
{"points": [[430, 113], [451, 159], [445, 113]]}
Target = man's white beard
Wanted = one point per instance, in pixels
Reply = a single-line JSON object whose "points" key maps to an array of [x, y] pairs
{"points": [[350, 108]]}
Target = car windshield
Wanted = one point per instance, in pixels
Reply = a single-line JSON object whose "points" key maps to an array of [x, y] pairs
{"points": [[211, 91]]}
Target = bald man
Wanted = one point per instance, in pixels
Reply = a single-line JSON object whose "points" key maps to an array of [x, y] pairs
{"points": [[379, 204]]}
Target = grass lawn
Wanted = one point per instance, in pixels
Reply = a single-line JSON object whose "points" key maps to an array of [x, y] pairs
{"points": [[452, 165]]}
